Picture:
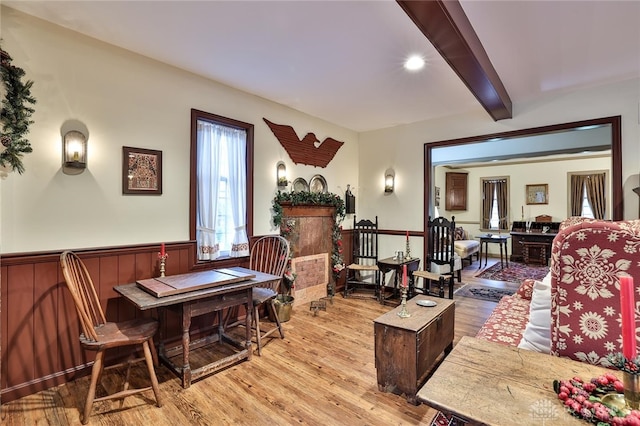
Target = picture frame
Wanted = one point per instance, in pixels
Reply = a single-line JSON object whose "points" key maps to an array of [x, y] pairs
{"points": [[141, 171], [537, 194], [437, 196]]}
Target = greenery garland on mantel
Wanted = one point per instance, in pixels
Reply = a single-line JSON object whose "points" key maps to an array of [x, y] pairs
{"points": [[316, 199], [15, 114]]}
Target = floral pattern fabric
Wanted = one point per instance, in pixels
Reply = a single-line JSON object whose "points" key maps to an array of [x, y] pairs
{"points": [[587, 259], [507, 322]]}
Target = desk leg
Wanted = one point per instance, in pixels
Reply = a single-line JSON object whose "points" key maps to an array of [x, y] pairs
{"points": [[501, 263], [186, 324]]}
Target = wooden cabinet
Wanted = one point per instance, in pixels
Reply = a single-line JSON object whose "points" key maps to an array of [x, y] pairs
{"points": [[407, 348], [456, 191]]}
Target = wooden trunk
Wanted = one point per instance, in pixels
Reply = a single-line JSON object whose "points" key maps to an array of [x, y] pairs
{"points": [[407, 348]]}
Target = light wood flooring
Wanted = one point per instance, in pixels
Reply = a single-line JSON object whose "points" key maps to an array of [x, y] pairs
{"points": [[322, 373]]}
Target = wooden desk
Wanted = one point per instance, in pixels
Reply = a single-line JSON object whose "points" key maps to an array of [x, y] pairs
{"points": [[391, 264], [535, 236], [483, 382], [406, 349], [501, 240], [200, 302]]}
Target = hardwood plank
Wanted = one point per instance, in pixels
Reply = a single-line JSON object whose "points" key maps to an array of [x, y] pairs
{"points": [[322, 372]]}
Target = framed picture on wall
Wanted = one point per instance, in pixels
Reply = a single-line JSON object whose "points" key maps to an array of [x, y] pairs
{"points": [[141, 171], [538, 194], [437, 197]]}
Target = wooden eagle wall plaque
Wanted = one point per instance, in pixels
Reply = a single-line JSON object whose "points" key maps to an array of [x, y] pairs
{"points": [[308, 150]]}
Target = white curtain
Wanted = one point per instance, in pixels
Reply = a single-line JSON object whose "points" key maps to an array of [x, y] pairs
{"points": [[237, 152], [208, 175]]}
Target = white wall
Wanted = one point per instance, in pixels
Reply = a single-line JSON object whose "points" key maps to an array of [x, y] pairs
{"points": [[128, 100], [401, 148]]}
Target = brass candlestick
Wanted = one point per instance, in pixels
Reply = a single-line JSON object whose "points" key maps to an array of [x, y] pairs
{"points": [[631, 384], [163, 260], [403, 312]]}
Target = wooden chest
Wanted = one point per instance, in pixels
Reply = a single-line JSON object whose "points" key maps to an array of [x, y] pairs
{"points": [[406, 348]]}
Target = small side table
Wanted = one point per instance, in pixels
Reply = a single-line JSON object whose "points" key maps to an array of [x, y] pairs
{"points": [[501, 240], [391, 264]]}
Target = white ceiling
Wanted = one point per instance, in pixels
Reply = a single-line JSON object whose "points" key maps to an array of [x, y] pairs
{"points": [[342, 60]]}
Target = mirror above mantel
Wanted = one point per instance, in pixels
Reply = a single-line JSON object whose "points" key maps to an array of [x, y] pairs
{"points": [[596, 137]]}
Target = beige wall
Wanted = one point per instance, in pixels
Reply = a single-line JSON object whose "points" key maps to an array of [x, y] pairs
{"points": [[552, 173], [128, 100]]}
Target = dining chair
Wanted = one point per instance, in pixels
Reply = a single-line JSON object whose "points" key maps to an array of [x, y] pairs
{"points": [[269, 254], [99, 335], [363, 273]]}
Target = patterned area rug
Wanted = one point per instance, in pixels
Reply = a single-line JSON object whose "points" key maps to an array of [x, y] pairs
{"points": [[483, 292], [515, 273]]}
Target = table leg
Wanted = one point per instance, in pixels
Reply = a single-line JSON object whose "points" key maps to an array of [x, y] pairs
{"points": [[186, 324], [480, 256], [501, 263], [486, 252], [506, 255], [249, 309]]}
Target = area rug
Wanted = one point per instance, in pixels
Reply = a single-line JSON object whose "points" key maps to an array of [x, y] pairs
{"points": [[483, 292], [515, 273]]}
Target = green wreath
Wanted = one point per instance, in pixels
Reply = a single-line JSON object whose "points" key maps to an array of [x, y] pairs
{"points": [[15, 114]]}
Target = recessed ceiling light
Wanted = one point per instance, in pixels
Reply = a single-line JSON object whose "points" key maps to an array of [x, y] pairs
{"points": [[414, 63]]}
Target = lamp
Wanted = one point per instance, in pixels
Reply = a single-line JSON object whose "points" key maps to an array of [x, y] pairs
{"points": [[389, 181], [281, 175], [75, 150]]}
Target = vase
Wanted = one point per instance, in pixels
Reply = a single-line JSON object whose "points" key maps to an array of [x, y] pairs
{"points": [[631, 384], [283, 305]]}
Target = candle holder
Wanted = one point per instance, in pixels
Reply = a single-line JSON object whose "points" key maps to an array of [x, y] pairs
{"points": [[403, 312], [163, 260], [631, 384], [408, 250]]}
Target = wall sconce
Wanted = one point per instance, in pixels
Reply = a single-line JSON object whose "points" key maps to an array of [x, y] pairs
{"points": [[75, 150], [389, 181], [281, 175]]}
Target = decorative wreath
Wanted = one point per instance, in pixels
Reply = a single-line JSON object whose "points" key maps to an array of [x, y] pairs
{"points": [[15, 114], [583, 399]]}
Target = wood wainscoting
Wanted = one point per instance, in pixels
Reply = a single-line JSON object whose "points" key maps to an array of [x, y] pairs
{"points": [[39, 324]]}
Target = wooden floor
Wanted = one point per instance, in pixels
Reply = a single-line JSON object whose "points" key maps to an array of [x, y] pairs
{"points": [[322, 373]]}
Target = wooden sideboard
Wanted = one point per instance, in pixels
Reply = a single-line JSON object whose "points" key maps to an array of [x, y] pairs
{"points": [[519, 236]]}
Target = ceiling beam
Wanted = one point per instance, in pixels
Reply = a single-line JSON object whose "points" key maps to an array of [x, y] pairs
{"points": [[447, 27]]}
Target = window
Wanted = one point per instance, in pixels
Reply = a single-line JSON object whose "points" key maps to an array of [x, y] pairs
{"points": [[588, 194], [495, 202], [221, 190], [586, 207]]}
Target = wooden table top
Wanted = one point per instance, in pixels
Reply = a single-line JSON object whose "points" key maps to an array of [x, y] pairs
{"points": [[144, 300], [489, 383]]}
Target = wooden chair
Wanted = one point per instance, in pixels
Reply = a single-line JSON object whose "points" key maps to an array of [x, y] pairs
{"points": [[441, 259], [363, 273], [270, 255], [99, 335]]}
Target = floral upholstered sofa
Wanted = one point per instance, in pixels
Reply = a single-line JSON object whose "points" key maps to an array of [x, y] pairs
{"points": [[575, 311]]}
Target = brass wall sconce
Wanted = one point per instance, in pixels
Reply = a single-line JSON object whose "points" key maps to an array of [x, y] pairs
{"points": [[281, 175], [74, 146], [389, 181]]}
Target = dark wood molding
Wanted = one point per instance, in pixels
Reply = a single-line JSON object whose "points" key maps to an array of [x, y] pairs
{"points": [[448, 29]]}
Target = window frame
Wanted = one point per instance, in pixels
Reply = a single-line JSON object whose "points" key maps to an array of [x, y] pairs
{"points": [[508, 216], [229, 122]]}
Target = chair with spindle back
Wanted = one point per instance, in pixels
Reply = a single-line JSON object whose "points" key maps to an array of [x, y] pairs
{"points": [[269, 254], [99, 335], [363, 273]]}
